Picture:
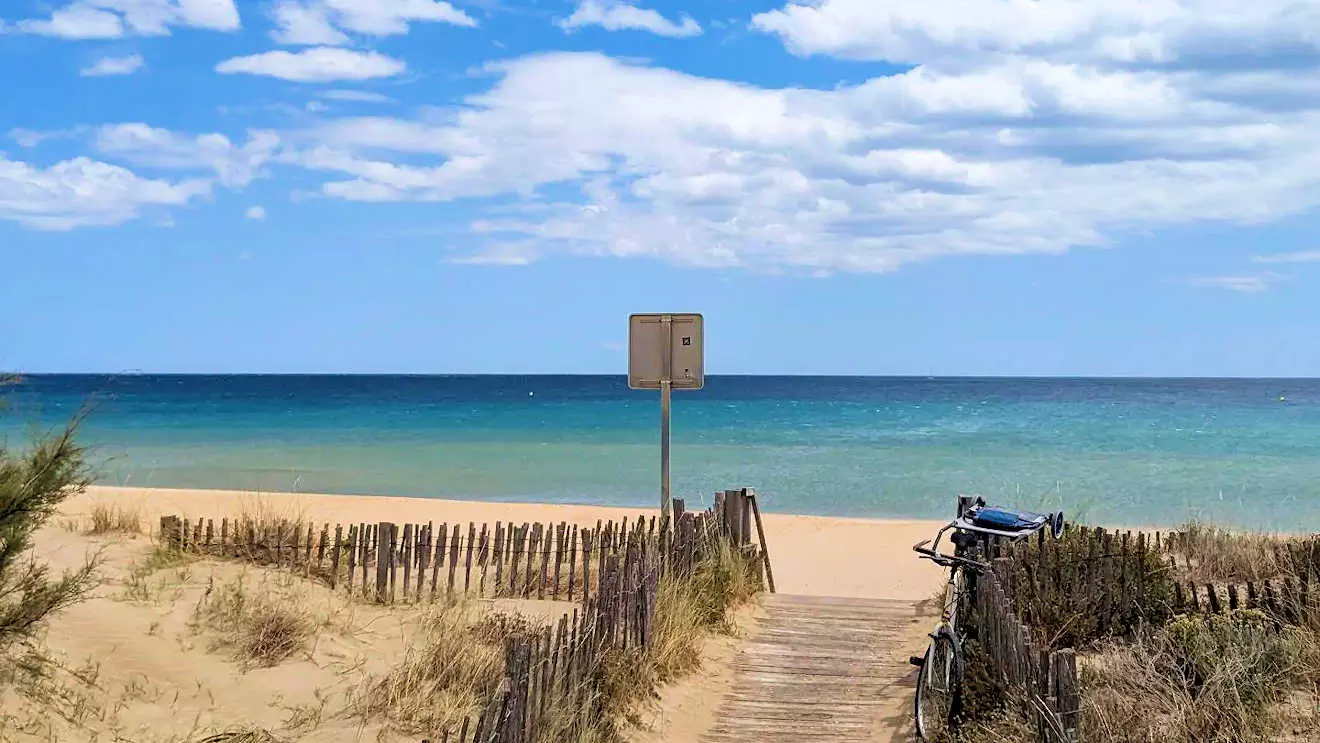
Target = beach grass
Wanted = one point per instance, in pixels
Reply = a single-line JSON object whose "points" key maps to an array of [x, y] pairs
{"points": [[114, 518], [450, 668], [260, 626]]}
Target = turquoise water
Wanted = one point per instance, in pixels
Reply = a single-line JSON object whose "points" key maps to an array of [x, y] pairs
{"points": [[1137, 451]]}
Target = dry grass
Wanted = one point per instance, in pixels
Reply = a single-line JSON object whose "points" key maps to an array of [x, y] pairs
{"points": [[1202, 679], [687, 609], [107, 518], [241, 735], [449, 670], [261, 626], [1210, 554], [144, 585]]}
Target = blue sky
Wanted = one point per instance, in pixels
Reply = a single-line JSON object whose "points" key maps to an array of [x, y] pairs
{"points": [[1006, 187]]}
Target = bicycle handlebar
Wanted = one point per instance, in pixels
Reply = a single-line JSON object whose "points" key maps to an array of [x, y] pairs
{"points": [[947, 560]]}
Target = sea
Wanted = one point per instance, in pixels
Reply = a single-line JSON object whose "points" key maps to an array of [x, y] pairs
{"points": [[1138, 452]]}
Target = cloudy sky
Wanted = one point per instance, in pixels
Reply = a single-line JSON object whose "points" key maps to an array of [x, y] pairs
{"points": [[841, 186]]}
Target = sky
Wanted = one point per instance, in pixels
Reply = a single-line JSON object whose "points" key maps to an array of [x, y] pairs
{"points": [[928, 187]]}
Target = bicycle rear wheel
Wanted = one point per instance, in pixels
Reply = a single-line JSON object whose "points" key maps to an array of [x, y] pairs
{"points": [[938, 686]]}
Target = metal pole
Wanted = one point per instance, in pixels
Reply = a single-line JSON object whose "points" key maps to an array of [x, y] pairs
{"points": [[666, 383], [664, 450]]}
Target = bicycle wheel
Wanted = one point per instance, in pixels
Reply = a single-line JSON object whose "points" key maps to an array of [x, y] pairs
{"points": [[938, 686]]}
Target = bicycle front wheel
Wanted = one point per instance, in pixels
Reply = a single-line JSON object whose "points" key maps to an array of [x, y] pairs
{"points": [[938, 686]]}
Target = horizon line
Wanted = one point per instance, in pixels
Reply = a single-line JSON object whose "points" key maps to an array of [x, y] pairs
{"points": [[742, 375]]}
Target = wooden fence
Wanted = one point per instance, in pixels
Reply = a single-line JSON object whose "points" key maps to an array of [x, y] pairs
{"points": [[420, 562], [1043, 680], [552, 689], [1045, 597]]}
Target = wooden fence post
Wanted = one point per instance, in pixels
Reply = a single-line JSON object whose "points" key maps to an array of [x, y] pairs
{"points": [[382, 560], [760, 531]]}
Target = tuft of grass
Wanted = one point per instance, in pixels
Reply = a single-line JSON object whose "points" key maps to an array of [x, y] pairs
{"points": [[687, 608], [109, 518], [449, 669], [1202, 679], [141, 583], [260, 626], [241, 735], [1211, 554]]}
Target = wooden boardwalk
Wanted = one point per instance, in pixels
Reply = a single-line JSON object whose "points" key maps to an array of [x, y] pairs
{"points": [[820, 668]]}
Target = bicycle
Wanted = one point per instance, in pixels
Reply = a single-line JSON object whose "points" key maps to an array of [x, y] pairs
{"points": [[939, 683]]}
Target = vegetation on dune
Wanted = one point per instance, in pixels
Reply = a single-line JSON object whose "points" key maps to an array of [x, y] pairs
{"points": [[450, 669], [1149, 674], [688, 608], [33, 483], [110, 518], [261, 627], [1212, 679]]}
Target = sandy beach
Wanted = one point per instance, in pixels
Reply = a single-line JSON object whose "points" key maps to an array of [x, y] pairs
{"points": [[810, 555], [138, 658]]}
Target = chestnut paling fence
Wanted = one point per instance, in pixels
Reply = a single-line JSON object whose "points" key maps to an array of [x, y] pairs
{"points": [[1044, 598], [552, 689]]}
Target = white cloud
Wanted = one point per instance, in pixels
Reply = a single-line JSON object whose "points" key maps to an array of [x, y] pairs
{"points": [[1304, 256], [1245, 284], [1016, 157], [325, 22], [319, 64], [616, 15], [110, 19], [234, 165], [356, 96], [83, 192], [925, 31], [107, 66], [256, 213], [299, 23], [29, 138]]}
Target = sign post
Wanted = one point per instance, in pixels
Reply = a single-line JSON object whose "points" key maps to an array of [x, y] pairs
{"points": [[665, 352]]}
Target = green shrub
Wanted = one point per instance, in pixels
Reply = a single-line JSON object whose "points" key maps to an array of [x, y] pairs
{"points": [[33, 484], [1077, 591]]}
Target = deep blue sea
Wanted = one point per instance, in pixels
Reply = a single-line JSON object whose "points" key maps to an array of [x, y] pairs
{"points": [[1134, 451]]}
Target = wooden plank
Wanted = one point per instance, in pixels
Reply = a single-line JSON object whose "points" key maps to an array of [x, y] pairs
{"points": [[483, 555], [560, 532], [532, 545], [424, 562], [453, 558], [588, 537], [382, 561], [335, 556], [760, 533], [391, 536], [545, 563], [467, 563], [1067, 691], [499, 556], [572, 558], [352, 554], [365, 532], [516, 555], [407, 548], [441, 544]]}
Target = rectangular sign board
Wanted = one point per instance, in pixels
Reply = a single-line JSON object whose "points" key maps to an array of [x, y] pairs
{"points": [[649, 344]]}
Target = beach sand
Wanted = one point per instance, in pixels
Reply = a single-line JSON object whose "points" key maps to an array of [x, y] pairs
{"points": [[156, 678], [810, 555]]}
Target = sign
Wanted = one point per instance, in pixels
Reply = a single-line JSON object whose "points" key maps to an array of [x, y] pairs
{"points": [[665, 347], [665, 353]]}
